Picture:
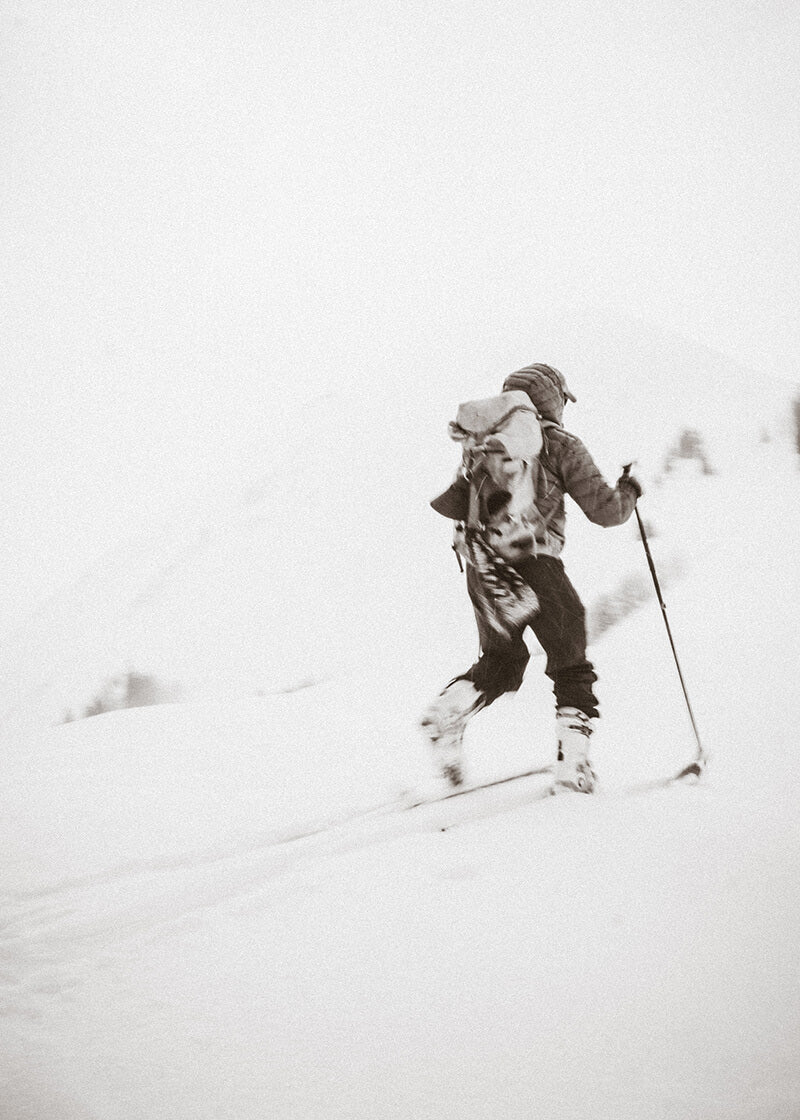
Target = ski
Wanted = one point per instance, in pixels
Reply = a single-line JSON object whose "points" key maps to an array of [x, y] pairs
{"points": [[689, 775], [693, 770], [396, 807], [464, 790]]}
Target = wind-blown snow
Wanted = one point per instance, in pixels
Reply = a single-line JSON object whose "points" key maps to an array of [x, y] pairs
{"points": [[168, 950]]}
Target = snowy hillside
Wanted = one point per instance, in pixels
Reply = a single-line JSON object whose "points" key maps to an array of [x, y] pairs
{"points": [[332, 549], [184, 939]]}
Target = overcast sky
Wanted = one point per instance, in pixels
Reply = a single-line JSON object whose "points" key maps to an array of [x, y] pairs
{"points": [[215, 209]]}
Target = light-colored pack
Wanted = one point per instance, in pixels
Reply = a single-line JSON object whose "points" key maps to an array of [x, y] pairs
{"points": [[507, 422], [500, 437]]}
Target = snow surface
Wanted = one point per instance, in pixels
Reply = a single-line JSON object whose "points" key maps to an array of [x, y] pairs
{"points": [[332, 549], [208, 910]]}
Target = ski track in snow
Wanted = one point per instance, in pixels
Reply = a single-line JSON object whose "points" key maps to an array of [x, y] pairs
{"points": [[63, 928], [77, 919]]}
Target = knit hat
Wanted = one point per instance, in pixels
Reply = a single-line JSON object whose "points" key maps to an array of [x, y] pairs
{"points": [[545, 385]]}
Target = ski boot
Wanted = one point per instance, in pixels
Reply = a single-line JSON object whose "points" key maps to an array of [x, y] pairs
{"points": [[573, 769], [443, 725]]}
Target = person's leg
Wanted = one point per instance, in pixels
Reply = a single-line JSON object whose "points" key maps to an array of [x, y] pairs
{"points": [[502, 660], [500, 668], [560, 627]]}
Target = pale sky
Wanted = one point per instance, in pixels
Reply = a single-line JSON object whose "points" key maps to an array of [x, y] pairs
{"points": [[214, 210]]}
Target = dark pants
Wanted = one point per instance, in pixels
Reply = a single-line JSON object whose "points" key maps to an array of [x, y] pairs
{"points": [[560, 627]]}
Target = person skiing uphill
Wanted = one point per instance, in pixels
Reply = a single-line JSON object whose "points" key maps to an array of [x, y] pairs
{"points": [[512, 502]]}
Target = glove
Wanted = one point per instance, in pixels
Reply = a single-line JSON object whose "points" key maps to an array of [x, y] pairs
{"points": [[627, 479]]}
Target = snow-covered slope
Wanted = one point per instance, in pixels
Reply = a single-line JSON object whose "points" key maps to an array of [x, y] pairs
{"points": [[333, 550], [167, 957]]}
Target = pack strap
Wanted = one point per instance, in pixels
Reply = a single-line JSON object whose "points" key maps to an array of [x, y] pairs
{"points": [[460, 435], [473, 516]]}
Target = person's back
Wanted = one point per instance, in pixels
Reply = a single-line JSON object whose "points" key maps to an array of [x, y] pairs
{"points": [[522, 518]]}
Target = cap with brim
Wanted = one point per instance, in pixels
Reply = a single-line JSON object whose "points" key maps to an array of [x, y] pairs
{"points": [[559, 377], [521, 380]]}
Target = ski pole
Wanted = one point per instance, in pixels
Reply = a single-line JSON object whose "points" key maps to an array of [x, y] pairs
{"points": [[699, 763]]}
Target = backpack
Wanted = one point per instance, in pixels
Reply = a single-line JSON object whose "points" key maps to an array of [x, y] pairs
{"points": [[509, 426], [511, 419]]}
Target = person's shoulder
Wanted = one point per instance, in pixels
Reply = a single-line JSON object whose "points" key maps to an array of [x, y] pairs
{"points": [[567, 456], [559, 440]]}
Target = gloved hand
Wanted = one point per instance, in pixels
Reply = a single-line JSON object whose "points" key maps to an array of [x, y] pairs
{"points": [[627, 479]]}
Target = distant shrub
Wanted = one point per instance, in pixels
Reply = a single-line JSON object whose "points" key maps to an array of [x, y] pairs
{"points": [[689, 446], [632, 592], [608, 610], [128, 690], [650, 528]]}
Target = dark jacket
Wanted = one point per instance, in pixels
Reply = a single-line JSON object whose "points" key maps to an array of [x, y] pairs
{"points": [[564, 466]]}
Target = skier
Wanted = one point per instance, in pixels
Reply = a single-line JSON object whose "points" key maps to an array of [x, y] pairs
{"points": [[523, 519]]}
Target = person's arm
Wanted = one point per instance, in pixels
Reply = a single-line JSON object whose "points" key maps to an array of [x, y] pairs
{"points": [[602, 504]]}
